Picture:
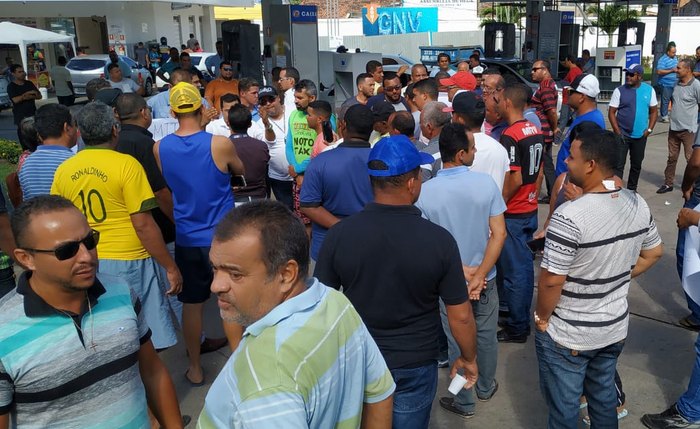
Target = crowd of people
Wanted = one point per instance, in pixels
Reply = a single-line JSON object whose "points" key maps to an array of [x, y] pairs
{"points": [[352, 252]]}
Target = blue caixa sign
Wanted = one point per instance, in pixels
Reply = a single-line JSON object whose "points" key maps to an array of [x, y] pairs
{"points": [[303, 13], [398, 20]]}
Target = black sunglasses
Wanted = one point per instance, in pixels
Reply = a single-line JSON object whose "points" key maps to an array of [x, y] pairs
{"points": [[266, 101], [70, 249]]}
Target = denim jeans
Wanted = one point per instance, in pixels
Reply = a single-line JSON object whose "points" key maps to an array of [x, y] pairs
{"points": [[7, 281], [636, 148], [486, 318], [680, 250], [518, 273], [566, 374], [282, 190], [413, 397], [666, 93], [689, 403]]}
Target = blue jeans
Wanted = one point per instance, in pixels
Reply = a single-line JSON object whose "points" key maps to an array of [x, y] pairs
{"points": [[689, 403], [413, 397], [566, 374], [518, 273], [680, 250], [666, 93], [486, 318]]}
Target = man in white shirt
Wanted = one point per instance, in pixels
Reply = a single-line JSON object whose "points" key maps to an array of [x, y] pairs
{"points": [[289, 76], [220, 126], [116, 80], [272, 129], [491, 157], [443, 65], [62, 83]]}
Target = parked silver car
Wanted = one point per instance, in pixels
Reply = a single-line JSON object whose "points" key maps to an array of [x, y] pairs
{"points": [[198, 60], [84, 69], [5, 101]]}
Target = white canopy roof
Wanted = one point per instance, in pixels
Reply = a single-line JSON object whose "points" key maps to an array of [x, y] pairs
{"points": [[15, 34]]}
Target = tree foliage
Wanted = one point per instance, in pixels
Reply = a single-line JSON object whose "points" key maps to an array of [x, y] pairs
{"points": [[609, 18], [509, 14]]}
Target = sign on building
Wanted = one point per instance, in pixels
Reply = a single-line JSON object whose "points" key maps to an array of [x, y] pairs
{"points": [[380, 21]]}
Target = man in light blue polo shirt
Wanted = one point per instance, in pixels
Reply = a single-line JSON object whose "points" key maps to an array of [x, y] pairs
{"points": [[58, 132], [470, 206], [667, 69], [336, 184], [306, 358], [632, 114]]}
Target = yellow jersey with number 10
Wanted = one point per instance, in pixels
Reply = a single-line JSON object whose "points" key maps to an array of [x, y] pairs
{"points": [[108, 187]]}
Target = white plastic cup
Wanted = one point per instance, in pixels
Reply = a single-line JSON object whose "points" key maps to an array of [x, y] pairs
{"points": [[457, 384]]}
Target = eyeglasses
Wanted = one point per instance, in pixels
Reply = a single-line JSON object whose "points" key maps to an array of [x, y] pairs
{"points": [[629, 74], [227, 69], [265, 101], [534, 69], [571, 91], [490, 91], [393, 88], [70, 249]]}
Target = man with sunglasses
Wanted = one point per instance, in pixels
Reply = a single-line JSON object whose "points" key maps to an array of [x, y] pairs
{"points": [[545, 103], [224, 84], [391, 84], [632, 114], [113, 192], [98, 337]]}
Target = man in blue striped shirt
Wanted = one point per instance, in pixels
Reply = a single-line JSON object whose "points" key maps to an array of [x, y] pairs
{"points": [[59, 133], [667, 69], [75, 350]]}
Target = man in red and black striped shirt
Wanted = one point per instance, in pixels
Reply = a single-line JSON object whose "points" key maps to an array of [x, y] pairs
{"points": [[545, 103], [525, 146]]}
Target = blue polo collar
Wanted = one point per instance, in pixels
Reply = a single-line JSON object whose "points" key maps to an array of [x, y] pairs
{"points": [[453, 171], [305, 300]]}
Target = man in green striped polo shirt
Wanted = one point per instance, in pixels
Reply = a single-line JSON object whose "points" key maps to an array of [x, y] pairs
{"points": [[306, 359]]}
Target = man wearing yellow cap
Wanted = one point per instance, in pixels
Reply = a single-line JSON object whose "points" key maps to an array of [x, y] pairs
{"points": [[197, 167]]}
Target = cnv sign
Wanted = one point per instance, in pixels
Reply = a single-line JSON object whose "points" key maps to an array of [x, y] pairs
{"points": [[380, 21]]}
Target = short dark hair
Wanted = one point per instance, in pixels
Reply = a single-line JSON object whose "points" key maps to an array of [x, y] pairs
{"points": [[180, 75], [306, 85], [293, 73], [22, 215], [473, 119], [191, 36], [112, 66], [225, 63], [389, 76], [583, 127], [404, 123], [442, 55], [228, 98], [475, 57], [275, 73], [282, 235], [409, 91], [246, 83], [95, 85], [546, 64], [585, 51], [359, 121], [14, 67], [129, 105], [453, 138], [49, 120], [570, 58], [184, 54], [240, 118], [384, 182], [322, 107], [372, 66], [441, 75], [427, 86], [601, 147], [362, 76], [62, 61], [30, 138], [518, 94]]}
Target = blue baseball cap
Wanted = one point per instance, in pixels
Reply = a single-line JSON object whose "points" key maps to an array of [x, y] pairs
{"points": [[635, 69], [399, 154]]}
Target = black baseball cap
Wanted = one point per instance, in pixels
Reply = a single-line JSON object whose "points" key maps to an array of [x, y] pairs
{"points": [[466, 102], [382, 110]]}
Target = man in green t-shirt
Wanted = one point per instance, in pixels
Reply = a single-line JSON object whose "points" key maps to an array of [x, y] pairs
{"points": [[300, 139]]}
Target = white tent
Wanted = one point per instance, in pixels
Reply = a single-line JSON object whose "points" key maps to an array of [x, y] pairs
{"points": [[15, 34]]}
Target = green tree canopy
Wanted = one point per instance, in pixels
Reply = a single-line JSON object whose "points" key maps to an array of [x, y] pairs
{"points": [[509, 14], [609, 18]]}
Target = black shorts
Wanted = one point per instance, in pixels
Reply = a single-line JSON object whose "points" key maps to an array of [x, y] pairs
{"points": [[197, 274]]}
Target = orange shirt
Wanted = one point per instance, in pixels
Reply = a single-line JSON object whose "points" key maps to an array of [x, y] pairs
{"points": [[216, 88]]}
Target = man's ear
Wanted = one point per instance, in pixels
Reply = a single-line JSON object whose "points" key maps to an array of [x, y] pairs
{"points": [[289, 275], [24, 258]]}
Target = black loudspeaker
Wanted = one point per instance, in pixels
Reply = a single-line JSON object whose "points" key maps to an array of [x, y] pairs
{"points": [[242, 47], [491, 36], [622, 33]]}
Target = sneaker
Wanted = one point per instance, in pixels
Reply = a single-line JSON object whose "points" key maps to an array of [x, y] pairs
{"points": [[664, 188], [443, 363], [448, 404], [663, 119], [504, 337], [493, 392], [669, 419]]}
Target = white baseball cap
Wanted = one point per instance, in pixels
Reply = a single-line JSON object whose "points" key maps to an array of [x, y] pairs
{"points": [[586, 84]]}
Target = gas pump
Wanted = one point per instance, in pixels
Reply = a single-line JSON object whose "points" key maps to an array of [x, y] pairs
{"points": [[338, 72], [610, 63]]}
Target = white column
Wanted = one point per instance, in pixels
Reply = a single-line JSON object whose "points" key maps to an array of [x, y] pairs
{"points": [[208, 29]]}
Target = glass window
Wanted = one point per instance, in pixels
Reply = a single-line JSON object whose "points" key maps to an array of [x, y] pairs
{"points": [[389, 61], [85, 64]]}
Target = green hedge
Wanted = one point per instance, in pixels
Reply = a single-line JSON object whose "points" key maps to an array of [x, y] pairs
{"points": [[10, 150]]}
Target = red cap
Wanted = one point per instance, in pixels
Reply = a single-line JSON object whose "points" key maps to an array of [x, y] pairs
{"points": [[462, 79]]}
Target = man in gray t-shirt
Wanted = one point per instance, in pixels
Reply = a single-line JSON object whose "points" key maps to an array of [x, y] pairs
{"points": [[684, 121]]}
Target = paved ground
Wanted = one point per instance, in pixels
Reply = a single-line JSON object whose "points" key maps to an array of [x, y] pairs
{"points": [[655, 365]]}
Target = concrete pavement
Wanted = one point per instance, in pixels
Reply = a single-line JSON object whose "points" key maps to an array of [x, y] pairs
{"points": [[655, 365]]}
